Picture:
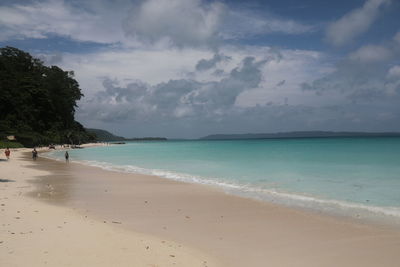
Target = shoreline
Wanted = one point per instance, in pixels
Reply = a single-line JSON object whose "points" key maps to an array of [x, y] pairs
{"points": [[358, 212], [235, 230], [38, 233]]}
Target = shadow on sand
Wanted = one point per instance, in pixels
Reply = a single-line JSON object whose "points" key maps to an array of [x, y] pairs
{"points": [[6, 180]]}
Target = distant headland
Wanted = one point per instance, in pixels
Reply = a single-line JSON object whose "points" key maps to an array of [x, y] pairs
{"points": [[105, 136], [299, 134]]}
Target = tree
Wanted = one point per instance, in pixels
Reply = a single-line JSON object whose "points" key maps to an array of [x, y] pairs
{"points": [[37, 100]]}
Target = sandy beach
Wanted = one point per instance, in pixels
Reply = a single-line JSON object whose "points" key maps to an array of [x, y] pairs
{"points": [[60, 214], [200, 133], [36, 233]]}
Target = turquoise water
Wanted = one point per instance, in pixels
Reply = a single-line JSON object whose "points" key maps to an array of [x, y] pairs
{"points": [[352, 175]]}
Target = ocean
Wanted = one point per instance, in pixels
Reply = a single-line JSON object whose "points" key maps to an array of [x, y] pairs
{"points": [[357, 177]]}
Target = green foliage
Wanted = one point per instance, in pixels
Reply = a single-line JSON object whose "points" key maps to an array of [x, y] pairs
{"points": [[9, 144], [38, 102], [103, 135]]}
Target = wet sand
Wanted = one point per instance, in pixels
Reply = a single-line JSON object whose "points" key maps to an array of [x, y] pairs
{"points": [[235, 230], [37, 233]]}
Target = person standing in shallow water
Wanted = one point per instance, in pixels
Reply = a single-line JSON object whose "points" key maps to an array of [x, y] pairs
{"points": [[66, 156], [34, 154], [7, 152]]}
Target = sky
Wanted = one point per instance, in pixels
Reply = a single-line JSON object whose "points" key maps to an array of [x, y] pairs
{"points": [[190, 68]]}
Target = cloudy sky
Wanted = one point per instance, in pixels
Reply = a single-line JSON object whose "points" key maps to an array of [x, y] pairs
{"points": [[188, 68]]}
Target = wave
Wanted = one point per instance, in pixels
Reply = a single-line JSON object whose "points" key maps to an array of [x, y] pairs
{"points": [[355, 210]]}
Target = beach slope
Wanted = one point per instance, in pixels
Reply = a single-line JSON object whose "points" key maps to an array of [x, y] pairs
{"points": [[34, 233], [103, 218]]}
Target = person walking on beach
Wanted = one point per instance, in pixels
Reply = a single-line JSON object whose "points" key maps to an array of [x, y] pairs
{"points": [[7, 152], [34, 154], [66, 156]]}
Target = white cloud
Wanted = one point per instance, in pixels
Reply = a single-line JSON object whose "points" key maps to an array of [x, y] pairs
{"points": [[196, 22], [371, 54], [292, 66], [147, 88], [392, 84], [174, 98], [181, 22], [206, 64], [238, 24], [150, 65], [394, 72], [397, 37], [367, 75], [162, 65], [159, 23], [39, 19], [355, 23], [162, 76]]}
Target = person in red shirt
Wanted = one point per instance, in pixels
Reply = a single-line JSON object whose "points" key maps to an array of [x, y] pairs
{"points": [[7, 152]]}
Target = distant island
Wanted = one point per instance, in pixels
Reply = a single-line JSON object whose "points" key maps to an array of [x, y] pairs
{"points": [[105, 136], [298, 134]]}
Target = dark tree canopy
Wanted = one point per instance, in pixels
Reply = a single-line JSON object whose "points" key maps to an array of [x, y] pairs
{"points": [[37, 103]]}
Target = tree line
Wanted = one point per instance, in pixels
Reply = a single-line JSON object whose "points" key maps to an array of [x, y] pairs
{"points": [[38, 102]]}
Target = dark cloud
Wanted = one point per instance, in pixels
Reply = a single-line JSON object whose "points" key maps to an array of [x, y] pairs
{"points": [[175, 98], [218, 72], [265, 118], [281, 83], [363, 76], [354, 97], [206, 64], [121, 94]]}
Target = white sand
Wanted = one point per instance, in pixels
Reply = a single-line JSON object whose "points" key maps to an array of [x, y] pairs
{"points": [[215, 228], [34, 233]]}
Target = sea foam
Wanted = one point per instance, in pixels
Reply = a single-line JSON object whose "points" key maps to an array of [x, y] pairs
{"points": [[341, 208]]}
